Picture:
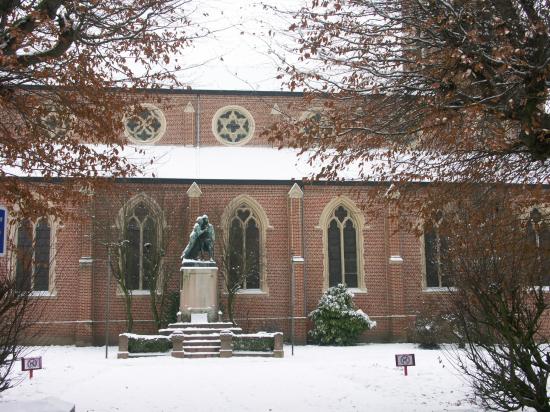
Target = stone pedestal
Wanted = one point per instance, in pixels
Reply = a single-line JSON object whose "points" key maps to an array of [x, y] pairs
{"points": [[199, 292]]}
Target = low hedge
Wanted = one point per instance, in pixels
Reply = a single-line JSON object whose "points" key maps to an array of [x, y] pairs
{"points": [[254, 343], [148, 343]]}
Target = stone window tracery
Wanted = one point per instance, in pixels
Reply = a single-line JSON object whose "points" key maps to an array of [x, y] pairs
{"points": [[342, 249], [55, 122], [233, 125], [245, 226], [538, 234], [141, 225], [33, 255], [436, 252], [342, 224], [244, 244], [147, 125]]}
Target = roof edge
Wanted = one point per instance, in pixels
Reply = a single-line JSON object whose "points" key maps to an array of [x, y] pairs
{"points": [[186, 91]]}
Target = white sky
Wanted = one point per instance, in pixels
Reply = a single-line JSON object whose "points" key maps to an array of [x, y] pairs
{"points": [[236, 55]]}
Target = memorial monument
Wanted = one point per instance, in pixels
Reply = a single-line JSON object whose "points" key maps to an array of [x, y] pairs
{"points": [[199, 276]]}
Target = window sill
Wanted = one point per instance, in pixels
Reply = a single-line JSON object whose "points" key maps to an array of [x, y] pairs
{"points": [[357, 291], [439, 289], [139, 292], [43, 294], [252, 292]]}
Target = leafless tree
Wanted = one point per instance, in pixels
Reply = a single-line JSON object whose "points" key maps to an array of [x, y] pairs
{"points": [[14, 305], [19, 309], [499, 262], [156, 262], [414, 90], [69, 72], [235, 268]]}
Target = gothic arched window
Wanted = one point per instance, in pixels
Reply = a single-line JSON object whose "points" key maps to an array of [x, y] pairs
{"points": [[244, 248], [538, 232], [141, 232], [342, 249], [33, 253], [436, 253]]}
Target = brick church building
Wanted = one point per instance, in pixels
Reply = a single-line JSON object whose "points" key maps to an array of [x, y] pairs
{"points": [[211, 158]]}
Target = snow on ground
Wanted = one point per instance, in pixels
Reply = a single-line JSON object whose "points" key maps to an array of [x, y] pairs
{"points": [[360, 378]]}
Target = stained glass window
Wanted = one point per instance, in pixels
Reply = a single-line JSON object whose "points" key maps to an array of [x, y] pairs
{"points": [[142, 235], [538, 232], [32, 266], [436, 252], [342, 249], [244, 244]]}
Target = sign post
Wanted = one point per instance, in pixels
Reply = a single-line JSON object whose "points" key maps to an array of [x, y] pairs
{"points": [[405, 360], [31, 364], [3, 230]]}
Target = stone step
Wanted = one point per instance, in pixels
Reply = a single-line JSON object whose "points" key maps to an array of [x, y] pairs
{"points": [[191, 349], [189, 331], [253, 354], [201, 342], [209, 325], [198, 337], [194, 355]]}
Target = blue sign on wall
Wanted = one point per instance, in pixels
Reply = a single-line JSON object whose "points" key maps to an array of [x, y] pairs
{"points": [[3, 230]]}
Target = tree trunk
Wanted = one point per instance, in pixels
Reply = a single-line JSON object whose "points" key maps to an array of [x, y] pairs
{"points": [[128, 307], [154, 308]]}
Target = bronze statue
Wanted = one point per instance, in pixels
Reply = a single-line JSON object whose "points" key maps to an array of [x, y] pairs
{"points": [[201, 240]]}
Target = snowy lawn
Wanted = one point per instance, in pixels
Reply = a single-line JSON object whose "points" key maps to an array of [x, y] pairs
{"points": [[360, 378]]}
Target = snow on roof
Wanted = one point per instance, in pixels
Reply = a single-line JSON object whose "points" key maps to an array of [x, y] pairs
{"points": [[228, 163], [217, 162]]}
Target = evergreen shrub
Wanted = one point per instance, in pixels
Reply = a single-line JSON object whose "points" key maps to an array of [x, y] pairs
{"points": [[336, 321]]}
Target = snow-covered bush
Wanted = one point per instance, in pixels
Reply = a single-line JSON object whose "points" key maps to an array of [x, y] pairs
{"points": [[336, 321]]}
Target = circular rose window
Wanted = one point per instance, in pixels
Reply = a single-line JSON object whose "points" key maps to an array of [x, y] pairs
{"points": [[54, 122], [233, 125], [146, 125]]}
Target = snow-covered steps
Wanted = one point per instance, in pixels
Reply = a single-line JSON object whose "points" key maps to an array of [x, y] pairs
{"points": [[203, 340], [189, 328], [198, 331], [208, 325], [250, 354], [195, 355], [194, 348], [200, 345]]}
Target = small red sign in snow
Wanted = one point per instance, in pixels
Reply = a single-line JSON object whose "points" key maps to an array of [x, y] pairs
{"points": [[404, 360], [28, 364]]}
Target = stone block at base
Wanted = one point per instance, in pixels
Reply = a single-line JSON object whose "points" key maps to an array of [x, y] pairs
{"points": [[226, 353], [199, 292]]}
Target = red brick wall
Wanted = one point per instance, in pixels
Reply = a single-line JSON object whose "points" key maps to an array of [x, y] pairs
{"points": [[263, 311], [181, 126]]}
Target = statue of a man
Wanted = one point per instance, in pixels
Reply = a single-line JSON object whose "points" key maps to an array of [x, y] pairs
{"points": [[201, 240]]}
